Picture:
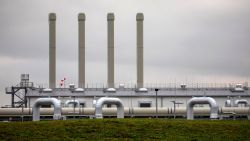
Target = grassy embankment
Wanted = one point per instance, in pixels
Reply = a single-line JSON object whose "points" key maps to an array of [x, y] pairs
{"points": [[126, 129]]}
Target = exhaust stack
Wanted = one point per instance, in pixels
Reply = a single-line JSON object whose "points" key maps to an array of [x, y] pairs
{"points": [[110, 19], [52, 50], [139, 50], [81, 50]]}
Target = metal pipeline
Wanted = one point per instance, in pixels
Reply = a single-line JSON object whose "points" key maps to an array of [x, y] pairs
{"points": [[162, 111], [240, 101], [201, 111], [202, 100], [75, 102], [128, 111], [228, 103], [46, 101], [109, 100]]}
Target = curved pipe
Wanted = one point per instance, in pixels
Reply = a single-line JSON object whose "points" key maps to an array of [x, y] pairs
{"points": [[75, 102], [109, 100], [202, 100], [46, 101], [240, 101], [228, 103]]}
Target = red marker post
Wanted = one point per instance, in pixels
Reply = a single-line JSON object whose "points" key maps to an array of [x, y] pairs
{"points": [[64, 79], [61, 83]]}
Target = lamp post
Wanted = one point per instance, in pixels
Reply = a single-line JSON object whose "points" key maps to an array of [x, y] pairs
{"points": [[74, 107], [156, 102]]}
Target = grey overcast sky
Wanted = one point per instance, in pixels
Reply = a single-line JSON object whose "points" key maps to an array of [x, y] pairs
{"points": [[184, 40]]}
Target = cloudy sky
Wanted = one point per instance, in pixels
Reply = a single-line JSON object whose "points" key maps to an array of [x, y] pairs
{"points": [[184, 41]]}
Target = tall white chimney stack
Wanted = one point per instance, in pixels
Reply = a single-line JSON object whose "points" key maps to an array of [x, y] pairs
{"points": [[81, 50], [52, 50], [111, 18], [139, 50]]}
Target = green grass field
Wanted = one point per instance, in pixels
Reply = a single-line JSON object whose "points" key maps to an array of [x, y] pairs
{"points": [[126, 129]]}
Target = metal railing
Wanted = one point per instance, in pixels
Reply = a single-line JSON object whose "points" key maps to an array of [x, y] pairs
{"points": [[167, 86]]}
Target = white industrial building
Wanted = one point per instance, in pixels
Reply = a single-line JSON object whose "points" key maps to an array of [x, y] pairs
{"points": [[141, 100], [133, 98]]}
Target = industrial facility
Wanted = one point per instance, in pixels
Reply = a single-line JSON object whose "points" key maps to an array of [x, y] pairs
{"points": [[190, 101]]}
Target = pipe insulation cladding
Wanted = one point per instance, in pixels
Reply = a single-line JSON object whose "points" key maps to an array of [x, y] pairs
{"points": [[46, 101], [81, 50], [109, 100], [52, 50], [214, 109]]}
